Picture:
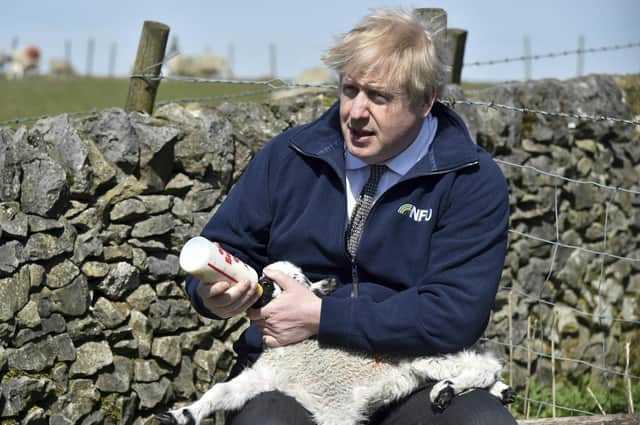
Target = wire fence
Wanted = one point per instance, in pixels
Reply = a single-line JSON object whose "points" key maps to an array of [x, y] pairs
{"points": [[531, 297], [553, 54]]}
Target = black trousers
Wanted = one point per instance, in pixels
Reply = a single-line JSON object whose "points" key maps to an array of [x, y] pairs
{"points": [[476, 407]]}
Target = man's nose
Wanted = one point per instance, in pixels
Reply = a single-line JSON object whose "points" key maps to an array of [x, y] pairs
{"points": [[360, 107]]}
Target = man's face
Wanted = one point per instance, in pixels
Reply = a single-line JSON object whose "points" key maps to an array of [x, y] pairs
{"points": [[378, 122]]}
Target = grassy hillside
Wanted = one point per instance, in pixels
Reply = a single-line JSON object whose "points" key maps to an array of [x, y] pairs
{"points": [[43, 95], [50, 96]]}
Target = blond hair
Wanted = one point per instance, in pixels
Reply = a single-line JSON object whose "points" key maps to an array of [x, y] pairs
{"points": [[393, 43]]}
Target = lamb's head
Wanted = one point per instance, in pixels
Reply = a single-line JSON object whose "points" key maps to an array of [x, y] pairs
{"points": [[271, 290]]}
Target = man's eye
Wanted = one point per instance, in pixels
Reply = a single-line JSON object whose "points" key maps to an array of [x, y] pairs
{"points": [[349, 90], [378, 97]]}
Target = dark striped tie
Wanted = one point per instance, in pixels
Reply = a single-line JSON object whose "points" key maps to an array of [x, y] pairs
{"points": [[362, 208]]}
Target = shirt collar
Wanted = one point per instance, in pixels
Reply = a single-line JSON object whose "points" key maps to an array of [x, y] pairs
{"points": [[406, 159]]}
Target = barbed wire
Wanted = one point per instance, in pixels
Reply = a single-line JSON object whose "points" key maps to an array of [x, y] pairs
{"points": [[560, 358], [581, 117], [567, 179], [568, 409], [279, 84], [552, 54], [550, 303]]}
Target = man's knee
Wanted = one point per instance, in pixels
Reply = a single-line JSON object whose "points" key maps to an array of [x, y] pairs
{"points": [[476, 407]]}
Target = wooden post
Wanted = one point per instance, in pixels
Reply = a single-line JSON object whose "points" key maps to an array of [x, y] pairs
{"points": [[456, 40], [142, 91], [451, 43], [622, 419]]}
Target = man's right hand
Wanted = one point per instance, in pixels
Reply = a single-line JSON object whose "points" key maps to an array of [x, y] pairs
{"points": [[227, 300]]}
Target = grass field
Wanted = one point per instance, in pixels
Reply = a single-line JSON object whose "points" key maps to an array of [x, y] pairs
{"points": [[51, 96], [43, 95]]}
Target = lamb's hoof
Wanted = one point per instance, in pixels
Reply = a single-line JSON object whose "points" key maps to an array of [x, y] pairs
{"points": [[508, 395], [168, 419], [444, 398]]}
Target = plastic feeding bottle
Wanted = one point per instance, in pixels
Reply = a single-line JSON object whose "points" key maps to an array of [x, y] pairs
{"points": [[210, 263]]}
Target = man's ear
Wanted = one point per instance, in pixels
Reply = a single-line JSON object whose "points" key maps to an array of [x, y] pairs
{"points": [[429, 100]]}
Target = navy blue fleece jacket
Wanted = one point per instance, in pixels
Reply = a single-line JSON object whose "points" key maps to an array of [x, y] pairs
{"points": [[431, 253]]}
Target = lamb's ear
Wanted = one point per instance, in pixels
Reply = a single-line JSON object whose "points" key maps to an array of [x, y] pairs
{"points": [[324, 287]]}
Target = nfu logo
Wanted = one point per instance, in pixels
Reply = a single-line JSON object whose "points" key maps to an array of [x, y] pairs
{"points": [[416, 214]]}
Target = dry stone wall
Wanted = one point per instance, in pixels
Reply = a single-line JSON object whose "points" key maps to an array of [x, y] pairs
{"points": [[95, 327]]}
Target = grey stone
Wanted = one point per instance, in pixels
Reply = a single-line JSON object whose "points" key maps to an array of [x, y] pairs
{"points": [[167, 349], [120, 409], [156, 151], [156, 204], [148, 371], [209, 147], [91, 357], [169, 316], [179, 184], [118, 253], [153, 226], [22, 393], [95, 269], [163, 267], [71, 300], [110, 314], [84, 329], [12, 220], [14, 295], [183, 383], [141, 298], [116, 233], [11, 256], [169, 289], [79, 402], [87, 245], [28, 317], [62, 274], [44, 189], [153, 394], [121, 280], [116, 138], [118, 381], [35, 357], [36, 416], [42, 224], [91, 218], [142, 332], [54, 324], [128, 210]]}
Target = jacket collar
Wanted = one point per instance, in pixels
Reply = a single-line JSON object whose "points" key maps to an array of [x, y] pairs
{"points": [[452, 147]]}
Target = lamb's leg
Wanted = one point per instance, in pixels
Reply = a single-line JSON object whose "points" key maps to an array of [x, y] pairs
{"points": [[503, 392], [456, 373], [231, 395]]}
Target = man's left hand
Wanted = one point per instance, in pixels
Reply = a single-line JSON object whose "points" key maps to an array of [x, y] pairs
{"points": [[292, 317]]}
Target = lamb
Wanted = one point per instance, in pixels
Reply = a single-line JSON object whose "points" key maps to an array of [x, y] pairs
{"points": [[340, 386]]}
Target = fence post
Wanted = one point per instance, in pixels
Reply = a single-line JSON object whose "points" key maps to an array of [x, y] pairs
{"points": [[456, 42], [142, 91], [451, 43]]}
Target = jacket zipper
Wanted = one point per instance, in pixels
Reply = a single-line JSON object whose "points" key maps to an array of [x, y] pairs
{"points": [[354, 265]]}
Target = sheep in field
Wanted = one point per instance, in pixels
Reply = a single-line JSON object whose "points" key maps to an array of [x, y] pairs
{"points": [[343, 387]]}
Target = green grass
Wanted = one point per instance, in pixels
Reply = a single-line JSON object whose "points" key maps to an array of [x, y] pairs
{"points": [[38, 96], [43, 95]]}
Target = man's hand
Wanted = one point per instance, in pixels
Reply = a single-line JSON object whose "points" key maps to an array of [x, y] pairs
{"points": [[292, 317], [227, 300]]}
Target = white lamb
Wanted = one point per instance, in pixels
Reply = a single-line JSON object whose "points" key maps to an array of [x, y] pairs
{"points": [[343, 387]]}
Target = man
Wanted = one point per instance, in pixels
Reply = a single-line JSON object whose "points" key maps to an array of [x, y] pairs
{"points": [[418, 274]]}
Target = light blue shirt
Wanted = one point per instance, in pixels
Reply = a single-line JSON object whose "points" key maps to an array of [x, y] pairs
{"points": [[357, 171]]}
